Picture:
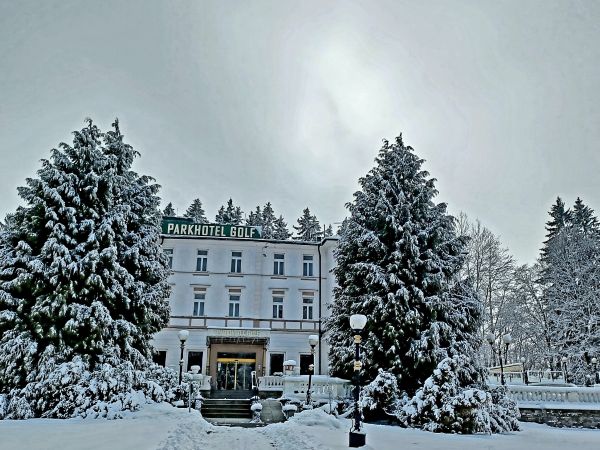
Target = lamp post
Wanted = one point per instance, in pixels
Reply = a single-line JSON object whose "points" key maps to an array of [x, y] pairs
{"points": [[506, 339], [313, 339], [357, 437], [595, 369], [183, 335], [564, 364]]}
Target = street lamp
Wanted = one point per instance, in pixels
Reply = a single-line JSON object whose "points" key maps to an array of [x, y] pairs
{"points": [[506, 339], [357, 436], [595, 368], [183, 335], [313, 339], [564, 364]]}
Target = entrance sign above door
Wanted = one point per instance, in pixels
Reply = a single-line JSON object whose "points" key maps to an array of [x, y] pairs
{"points": [[238, 332]]}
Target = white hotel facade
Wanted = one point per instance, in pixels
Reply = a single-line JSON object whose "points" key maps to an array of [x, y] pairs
{"points": [[248, 303]]}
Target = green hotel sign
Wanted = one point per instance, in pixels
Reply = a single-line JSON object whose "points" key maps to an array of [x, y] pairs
{"points": [[182, 227]]}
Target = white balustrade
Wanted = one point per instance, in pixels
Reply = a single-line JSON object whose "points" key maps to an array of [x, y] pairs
{"points": [[322, 386], [555, 396]]}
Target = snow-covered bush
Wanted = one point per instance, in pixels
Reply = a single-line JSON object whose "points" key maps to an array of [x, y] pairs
{"points": [[72, 388], [165, 377], [379, 396], [443, 405], [504, 414]]}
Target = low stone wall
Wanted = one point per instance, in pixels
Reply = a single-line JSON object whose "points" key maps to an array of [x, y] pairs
{"points": [[584, 418]]}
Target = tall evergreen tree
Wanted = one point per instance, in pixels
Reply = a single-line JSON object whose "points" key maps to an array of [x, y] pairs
{"points": [[570, 288], [559, 219], [83, 281], [280, 229], [255, 218], [230, 215], [397, 258], [268, 218], [308, 228], [583, 218], [196, 212], [169, 210]]}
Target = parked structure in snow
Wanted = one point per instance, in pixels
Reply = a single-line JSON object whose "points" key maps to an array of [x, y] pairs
{"points": [[248, 303]]}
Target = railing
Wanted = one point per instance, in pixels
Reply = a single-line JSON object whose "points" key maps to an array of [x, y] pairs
{"points": [[555, 396], [244, 322], [202, 381], [533, 376], [270, 383], [322, 387]]}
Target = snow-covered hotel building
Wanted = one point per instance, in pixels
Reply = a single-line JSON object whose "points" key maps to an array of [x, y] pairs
{"points": [[248, 303]]}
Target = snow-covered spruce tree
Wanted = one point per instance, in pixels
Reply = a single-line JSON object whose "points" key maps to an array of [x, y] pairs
{"points": [[169, 210], [328, 231], [398, 258], [83, 284], [308, 228], [255, 218], [196, 212], [268, 221], [230, 215], [280, 229]]}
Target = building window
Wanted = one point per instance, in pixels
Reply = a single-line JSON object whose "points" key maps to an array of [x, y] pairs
{"points": [[276, 364], [201, 260], [169, 253], [160, 357], [236, 262], [199, 297], [194, 359], [234, 302], [307, 305], [278, 262], [277, 306], [307, 265]]}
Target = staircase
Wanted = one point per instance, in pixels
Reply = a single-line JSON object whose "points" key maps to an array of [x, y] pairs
{"points": [[216, 408]]}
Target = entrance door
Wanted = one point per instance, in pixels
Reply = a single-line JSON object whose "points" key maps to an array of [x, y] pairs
{"points": [[234, 371]]}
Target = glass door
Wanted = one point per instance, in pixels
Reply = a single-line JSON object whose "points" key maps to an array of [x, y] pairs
{"points": [[234, 371]]}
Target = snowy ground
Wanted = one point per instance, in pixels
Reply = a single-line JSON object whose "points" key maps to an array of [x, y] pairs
{"points": [[163, 427]]}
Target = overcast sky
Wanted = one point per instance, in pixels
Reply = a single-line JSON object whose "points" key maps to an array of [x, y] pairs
{"points": [[288, 101]]}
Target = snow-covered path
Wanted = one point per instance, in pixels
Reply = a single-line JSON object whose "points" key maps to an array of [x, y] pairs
{"points": [[161, 427]]}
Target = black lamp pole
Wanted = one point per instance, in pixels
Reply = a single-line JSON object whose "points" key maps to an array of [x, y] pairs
{"points": [[357, 436]]}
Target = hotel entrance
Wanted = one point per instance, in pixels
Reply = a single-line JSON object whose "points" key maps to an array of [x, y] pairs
{"points": [[234, 371], [231, 362]]}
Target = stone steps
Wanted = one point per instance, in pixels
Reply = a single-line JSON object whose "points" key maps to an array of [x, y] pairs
{"points": [[226, 409]]}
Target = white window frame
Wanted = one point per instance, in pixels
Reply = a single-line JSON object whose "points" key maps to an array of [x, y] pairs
{"points": [[308, 265], [279, 264], [199, 306], [278, 302], [202, 261], [234, 303], [308, 299], [236, 261]]}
